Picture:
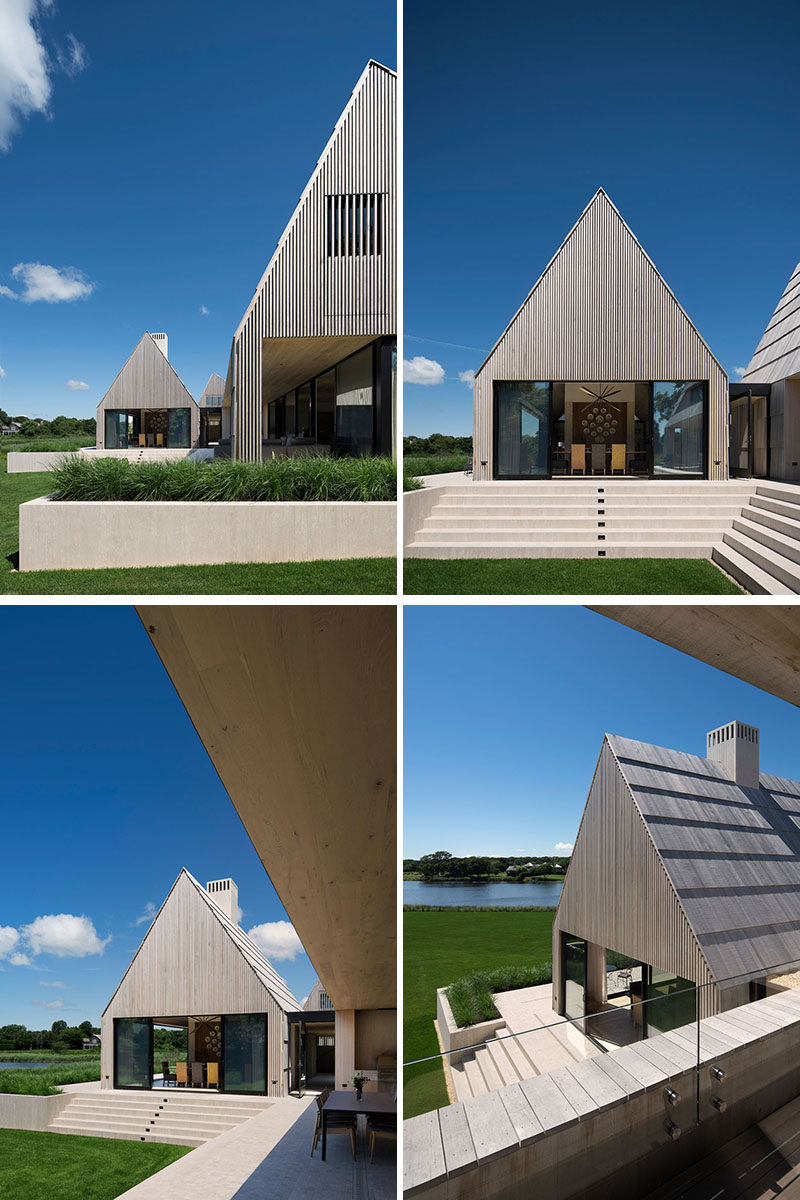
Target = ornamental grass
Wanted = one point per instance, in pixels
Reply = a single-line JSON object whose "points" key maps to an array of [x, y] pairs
{"points": [[316, 477], [472, 997]]}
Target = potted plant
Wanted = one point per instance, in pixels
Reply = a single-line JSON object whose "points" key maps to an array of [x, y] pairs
{"points": [[358, 1082]]}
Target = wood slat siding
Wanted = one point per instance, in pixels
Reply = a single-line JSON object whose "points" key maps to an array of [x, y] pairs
{"points": [[618, 894], [601, 312], [777, 355], [147, 380], [305, 292], [187, 965]]}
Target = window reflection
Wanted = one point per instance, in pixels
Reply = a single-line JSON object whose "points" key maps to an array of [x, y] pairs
{"points": [[679, 423]]}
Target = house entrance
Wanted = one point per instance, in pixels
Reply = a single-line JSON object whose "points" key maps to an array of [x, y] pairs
{"points": [[749, 421]]}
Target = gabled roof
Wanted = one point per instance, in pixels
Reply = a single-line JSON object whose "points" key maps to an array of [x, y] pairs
{"points": [[732, 854], [777, 355], [602, 288], [256, 960], [147, 361], [214, 387]]}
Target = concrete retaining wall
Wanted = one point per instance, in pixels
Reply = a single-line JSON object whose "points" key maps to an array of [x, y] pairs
{"points": [[416, 507], [55, 534], [456, 1039], [19, 461], [30, 1112]]}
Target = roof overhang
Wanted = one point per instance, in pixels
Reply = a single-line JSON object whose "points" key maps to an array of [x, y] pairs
{"points": [[289, 361], [760, 645], [312, 1017], [735, 390], [296, 707]]}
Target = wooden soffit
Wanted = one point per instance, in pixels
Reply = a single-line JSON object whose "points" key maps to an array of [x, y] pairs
{"points": [[296, 707], [288, 362]]}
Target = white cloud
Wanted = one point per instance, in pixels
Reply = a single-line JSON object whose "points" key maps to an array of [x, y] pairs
{"points": [[8, 939], [25, 85], [422, 370], [64, 935], [2, 373], [20, 960], [73, 60], [467, 377], [740, 371], [51, 284], [6, 291], [203, 310], [52, 983], [49, 1003], [77, 385], [150, 911], [277, 939], [564, 847]]}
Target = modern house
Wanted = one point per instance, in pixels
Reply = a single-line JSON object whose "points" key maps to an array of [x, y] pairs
{"points": [[600, 371], [215, 425], [687, 865], [296, 707], [148, 405], [197, 970], [765, 404], [313, 360]]}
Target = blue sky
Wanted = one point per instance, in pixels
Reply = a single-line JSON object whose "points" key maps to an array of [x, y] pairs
{"points": [[685, 113], [506, 710], [107, 793], [161, 151]]}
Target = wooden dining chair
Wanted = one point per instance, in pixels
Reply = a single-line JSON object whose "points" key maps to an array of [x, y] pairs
{"points": [[142, 439], [380, 1126], [159, 439], [166, 1076], [336, 1123], [181, 1075], [578, 457], [197, 1074], [212, 1074], [618, 457], [599, 457]]}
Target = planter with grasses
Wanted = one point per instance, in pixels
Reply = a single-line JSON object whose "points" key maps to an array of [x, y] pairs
{"points": [[47, 1081], [471, 998]]}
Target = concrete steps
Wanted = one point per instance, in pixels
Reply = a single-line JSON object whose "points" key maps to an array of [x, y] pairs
{"points": [[501, 1061], [183, 1120], [592, 518], [761, 550]]}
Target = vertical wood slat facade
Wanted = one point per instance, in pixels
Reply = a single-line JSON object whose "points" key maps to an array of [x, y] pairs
{"points": [[307, 292], [147, 381], [618, 895], [188, 965], [601, 312]]}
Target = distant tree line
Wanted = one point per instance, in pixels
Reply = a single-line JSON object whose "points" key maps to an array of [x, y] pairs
{"points": [[443, 865], [58, 427], [60, 1036], [437, 443]]}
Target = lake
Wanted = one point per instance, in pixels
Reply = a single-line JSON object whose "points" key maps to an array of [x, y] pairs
{"points": [[27, 1065], [484, 895]]}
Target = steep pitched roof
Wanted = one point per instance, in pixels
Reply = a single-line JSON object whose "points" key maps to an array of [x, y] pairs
{"points": [[602, 297], [214, 387], [777, 355], [731, 853], [257, 961], [145, 367]]}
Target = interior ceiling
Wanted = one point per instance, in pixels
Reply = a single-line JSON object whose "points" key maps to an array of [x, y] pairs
{"points": [[288, 362], [758, 644], [296, 707]]}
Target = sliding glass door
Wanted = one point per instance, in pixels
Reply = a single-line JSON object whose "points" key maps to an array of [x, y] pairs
{"points": [[244, 1053], [522, 411], [133, 1052], [573, 951], [679, 419]]}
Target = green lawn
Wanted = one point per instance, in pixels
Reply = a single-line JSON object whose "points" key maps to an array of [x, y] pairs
{"points": [[565, 577], [354, 576], [440, 947], [52, 1166]]}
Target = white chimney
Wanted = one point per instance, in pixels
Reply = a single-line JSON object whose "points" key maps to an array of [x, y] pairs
{"points": [[162, 342], [225, 895], [735, 748]]}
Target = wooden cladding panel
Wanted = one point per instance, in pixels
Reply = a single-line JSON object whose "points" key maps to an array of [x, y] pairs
{"points": [[305, 292], [147, 381], [617, 892], [601, 312], [189, 966]]}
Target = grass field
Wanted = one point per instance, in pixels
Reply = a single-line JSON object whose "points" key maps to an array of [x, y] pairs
{"points": [[50, 1166], [43, 445], [565, 577], [56, 1056], [433, 464], [438, 948], [355, 576], [47, 1081]]}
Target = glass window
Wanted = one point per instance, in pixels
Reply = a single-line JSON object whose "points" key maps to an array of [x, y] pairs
{"points": [[522, 429], [574, 954], [304, 423], [179, 427], [132, 1058], [672, 1002], [354, 404], [272, 419], [679, 424], [116, 429], [326, 408], [245, 1053], [290, 414]]}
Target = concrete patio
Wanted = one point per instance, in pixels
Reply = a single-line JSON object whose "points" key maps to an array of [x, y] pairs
{"points": [[268, 1158]]}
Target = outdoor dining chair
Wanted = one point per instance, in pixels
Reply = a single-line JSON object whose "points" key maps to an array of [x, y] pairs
{"points": [[335, 1124], [166, 1077], [181, 1075], [197, 1074], [383, 1126], [212, 1074], [599, 457], [578, 457], [618, 457]]}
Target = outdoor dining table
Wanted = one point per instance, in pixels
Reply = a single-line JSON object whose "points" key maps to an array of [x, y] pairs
{"points": [[346, 1103]]}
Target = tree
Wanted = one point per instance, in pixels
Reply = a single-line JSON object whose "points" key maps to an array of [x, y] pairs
{"points": [[86, 1027], [58, 1026]]}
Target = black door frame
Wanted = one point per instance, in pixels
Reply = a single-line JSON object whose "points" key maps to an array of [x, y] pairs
{"points": [[250, 1091], [134, 1087], [737, 391], [565, 937], [548, 426], [651, 441]]}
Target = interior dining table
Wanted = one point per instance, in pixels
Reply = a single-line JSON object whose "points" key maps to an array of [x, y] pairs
{"points": [[345, 1103]]}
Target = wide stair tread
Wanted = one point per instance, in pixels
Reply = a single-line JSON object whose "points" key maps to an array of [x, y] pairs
{"points": [[460, 1081], [474, 1076], [772, 563], [755, 579], [513, 1063]]}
